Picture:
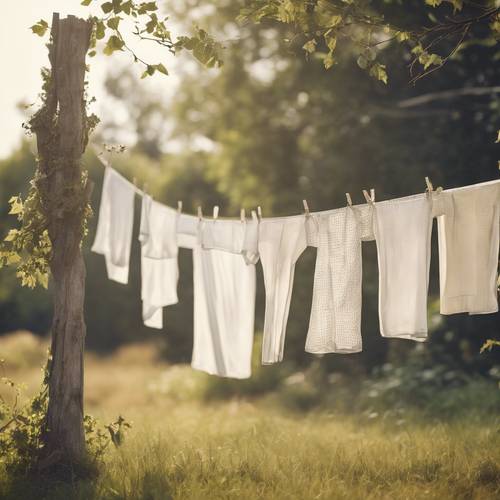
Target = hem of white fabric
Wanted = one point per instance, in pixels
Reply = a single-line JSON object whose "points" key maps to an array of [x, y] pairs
{"points": [[464, 309], [476, 313], [417, 337], [336, 351]]}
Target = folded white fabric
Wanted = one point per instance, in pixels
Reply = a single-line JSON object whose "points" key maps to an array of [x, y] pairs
{"points": [[159, 266], [403, 230], [113, 237], [469, 248], [335, 322], [224, 306], [281, 242], [235, 236]]}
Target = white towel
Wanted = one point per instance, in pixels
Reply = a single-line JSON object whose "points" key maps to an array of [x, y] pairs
{"points": [[468, 248], [224, 305], [159, 266], [113, 237], [403, 233]]}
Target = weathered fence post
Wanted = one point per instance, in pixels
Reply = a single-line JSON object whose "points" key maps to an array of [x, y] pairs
{"points": [[62, 135]]}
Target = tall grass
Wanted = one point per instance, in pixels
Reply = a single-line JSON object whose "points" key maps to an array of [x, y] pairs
{"points": [[183, 446]]}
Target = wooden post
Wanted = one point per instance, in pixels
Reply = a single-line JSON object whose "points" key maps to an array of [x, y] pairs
{"points": [[62, 135]]}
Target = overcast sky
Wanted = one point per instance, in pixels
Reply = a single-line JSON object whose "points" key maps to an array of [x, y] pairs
{"points": [[23, 54]]}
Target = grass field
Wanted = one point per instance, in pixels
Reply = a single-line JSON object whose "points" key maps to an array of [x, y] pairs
{"points": [[182, 446]]}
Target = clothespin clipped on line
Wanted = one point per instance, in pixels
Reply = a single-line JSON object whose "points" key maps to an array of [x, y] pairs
{"points": [[349, 199], [242, 215], [430, 187], [216, 212], [306, 208], [200, 213], [254, 215], [259, 212], [179, 206], [370, 198]]}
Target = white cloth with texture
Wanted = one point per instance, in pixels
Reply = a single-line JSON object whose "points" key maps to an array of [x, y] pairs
{"points": [[468, 236], [113, 237], [159, 266], [335, 321]]}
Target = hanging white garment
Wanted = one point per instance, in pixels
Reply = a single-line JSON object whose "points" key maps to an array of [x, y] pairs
{"points": [[235, 236], [469, 248], [113, 237], [335, 322], [403, 230], [159, 266], [281, 242], [224, 305]]}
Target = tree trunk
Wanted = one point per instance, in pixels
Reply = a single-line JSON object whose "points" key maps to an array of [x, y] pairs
{"points": [[62, 134]]}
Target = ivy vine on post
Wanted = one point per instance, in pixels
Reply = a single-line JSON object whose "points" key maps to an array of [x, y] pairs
{"points": [[53, 217]]}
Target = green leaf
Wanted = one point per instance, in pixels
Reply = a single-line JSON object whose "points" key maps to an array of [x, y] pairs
{"points": [[335, 20], [40, 28], [401, 36], [114, 22], [150, 71], [13, 258], [12, 235], [378, 71], [86, 2], [331, 42], [328, 61], [310, 46], [92, 53], [107, 7], [100, 30], [147, 6], [498, 138], [161, 68], [16, 205], [362, 62], [113, 44]]}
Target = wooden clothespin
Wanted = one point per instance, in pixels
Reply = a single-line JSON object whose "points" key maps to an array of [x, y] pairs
{"points": [[254, 215], [242, 215], [306, 208], [179, 206], [200, 213], [216, 212], [430, 187], [370, 198], [259, 212], [349, 199]]}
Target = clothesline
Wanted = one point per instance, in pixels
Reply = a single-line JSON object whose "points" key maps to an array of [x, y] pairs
{"points": [[369, 197], [225, 255]]}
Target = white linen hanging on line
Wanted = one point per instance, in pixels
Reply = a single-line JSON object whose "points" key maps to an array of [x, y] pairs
{"points": [[235, 236], [159, 265], [224, 304], [335, 321], [468, 236], [403, 230], [113, 237], [281, 242]]}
